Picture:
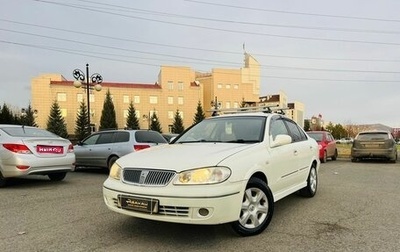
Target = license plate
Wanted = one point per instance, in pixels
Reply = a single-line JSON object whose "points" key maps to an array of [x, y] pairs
{"points": [[139, 204], [49, 149]]}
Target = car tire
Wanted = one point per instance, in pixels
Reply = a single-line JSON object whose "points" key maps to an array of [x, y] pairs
{"points": [[334, 157], [57, 176], [3, 180], [256, 210], [324, 158], [312, 184], [111, 161]]}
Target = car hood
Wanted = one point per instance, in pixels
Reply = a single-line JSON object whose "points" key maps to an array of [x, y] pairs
{"points": [[180, 157]]}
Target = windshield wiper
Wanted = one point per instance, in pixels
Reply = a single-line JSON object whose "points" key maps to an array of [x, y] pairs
{"points": [[242, 141], [200, 141]]}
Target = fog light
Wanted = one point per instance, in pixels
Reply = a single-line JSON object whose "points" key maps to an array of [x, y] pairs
{"points": [[203, 211]]}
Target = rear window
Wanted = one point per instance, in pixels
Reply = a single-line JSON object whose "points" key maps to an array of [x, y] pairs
{"points": [[373, 136], [27, 132], [317, 136], [149, 137]]}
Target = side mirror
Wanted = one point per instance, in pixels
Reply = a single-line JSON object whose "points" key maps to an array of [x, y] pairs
{"points": [[281, 140]]}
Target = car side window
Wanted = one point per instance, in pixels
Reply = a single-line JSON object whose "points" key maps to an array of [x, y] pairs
{"points": [[295, 132], [91, 139], [277, 127], [106, 137], [121, 137]]}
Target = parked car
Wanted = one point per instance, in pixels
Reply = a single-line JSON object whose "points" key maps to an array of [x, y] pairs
{"points": [[326, 144], [28, 150], [230, 168], [374, 144], [345, 140], [102, 148]]}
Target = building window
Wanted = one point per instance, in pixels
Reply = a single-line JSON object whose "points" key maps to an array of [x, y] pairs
{"points": [[181, 114], [126, 98], [170, 100], [219, 85], [228, 105], [136, 99], [228, 86], [79, 97], [61, 97], [180, 100], [170, 85], [64, 113], [236, 105], [91, 97], [235, 86], [170, 114], [180, 85], [153, 100], [125, 113]]}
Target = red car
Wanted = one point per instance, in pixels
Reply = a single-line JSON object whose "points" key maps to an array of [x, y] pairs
{"points": [[326, 144]]}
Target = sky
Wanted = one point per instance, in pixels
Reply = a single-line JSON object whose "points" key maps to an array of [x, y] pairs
{"points": [[339, 58]]}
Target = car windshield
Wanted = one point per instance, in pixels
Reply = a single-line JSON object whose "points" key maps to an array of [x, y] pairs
{"points": [[373, 136], [317, 136], [27, 132], [226, 129]]}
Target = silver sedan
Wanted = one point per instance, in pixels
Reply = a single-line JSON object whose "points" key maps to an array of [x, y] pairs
{"points": [[28, 150]]}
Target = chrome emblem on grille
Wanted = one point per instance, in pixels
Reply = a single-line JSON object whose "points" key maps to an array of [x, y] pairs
{"points": [[143, 176]]}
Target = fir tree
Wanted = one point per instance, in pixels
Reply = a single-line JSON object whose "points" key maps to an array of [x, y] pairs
{"points": [[132, 122], [55, 121], [82, 128], [6, 116], [177, 125], [108, 118], [200, 115], [29, 117], [155, 123]]}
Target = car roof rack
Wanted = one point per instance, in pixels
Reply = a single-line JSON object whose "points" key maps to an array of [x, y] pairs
{"points": [[264, 109]]}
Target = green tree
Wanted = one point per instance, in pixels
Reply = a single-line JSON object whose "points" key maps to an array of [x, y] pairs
{"points": [[200, 115], [82, 128], [307, 125], [6, 116], [155, 123], [28, 117], [177, 125], [108, 119], [55, 121], [132, 122]]}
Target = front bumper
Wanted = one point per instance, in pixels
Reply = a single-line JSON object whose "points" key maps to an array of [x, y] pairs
{"points": [[206, 204]]}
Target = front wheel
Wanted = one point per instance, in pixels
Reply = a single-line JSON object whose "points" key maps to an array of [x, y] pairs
{"points": [[3, 180], [257, 209], [312, 183]]}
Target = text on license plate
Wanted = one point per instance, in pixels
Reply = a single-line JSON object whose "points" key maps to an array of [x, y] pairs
{"points": [[146, 205], [49, 149]]}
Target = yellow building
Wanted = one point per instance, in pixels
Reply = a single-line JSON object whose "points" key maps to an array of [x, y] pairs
{"points": [[178, 88]]}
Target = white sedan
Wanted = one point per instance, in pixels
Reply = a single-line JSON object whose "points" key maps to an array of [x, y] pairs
{"points": [[226, 169]]}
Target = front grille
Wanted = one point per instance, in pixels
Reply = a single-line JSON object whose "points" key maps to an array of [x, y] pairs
{"points": [[147, 177], [165, 210]]}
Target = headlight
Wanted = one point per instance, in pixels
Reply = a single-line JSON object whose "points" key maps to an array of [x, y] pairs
{"points": [[115, 171], [208, 175]]}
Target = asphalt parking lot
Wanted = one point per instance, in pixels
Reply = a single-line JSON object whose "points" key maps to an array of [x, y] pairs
{"points": [[356, 209]]}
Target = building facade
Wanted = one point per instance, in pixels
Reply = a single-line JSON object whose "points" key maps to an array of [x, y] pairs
{"points": [[178, 89]]}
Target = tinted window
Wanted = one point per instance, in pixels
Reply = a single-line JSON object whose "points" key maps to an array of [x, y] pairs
{"points": [[106, 137], [122, 137], [295, 132], [317, 136], [149, 137], [373, 136], [91, 139]]}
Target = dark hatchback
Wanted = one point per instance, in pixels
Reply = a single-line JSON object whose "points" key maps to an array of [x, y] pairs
{"points": [[374, 145]]}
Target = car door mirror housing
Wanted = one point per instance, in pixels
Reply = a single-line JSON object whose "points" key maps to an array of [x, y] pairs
{"points": [[281, 140]]}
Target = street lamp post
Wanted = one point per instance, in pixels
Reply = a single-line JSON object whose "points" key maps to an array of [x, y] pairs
{"points": [[96, 79]]}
